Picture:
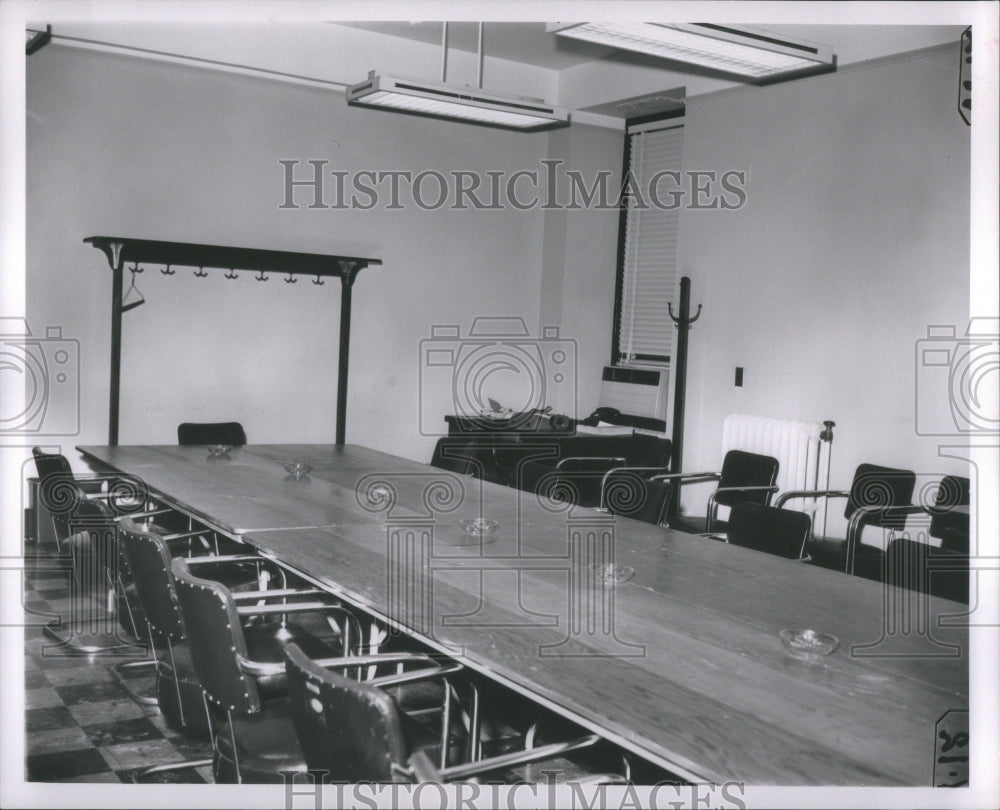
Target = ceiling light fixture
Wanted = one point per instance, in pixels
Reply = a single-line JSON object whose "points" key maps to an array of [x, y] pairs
{"points": [[754, 56], [456, 102]]}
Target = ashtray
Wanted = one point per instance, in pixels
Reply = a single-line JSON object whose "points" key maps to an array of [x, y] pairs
{"points": [[479, 527], [298, 469], [611, 572], [218, 451], [809, 642]]}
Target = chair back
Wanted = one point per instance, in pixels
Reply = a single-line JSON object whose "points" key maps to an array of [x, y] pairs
{"points": [[743, 469], [926, 569], [766, 528], [648, 451], [347, 728], [149, 563], [57, 489], [946, 520], [631, 495], [215, 638], [879, 486], [231, 433]]}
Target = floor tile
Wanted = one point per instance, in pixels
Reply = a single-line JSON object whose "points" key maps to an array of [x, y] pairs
{"points": [[140, 754], [108, 776], [65, 764], [90, 692], [48, 718], [84, 673], [122, 731], [57, 739], [105, 711], [35, 680], [40, 698], [182, 776]]}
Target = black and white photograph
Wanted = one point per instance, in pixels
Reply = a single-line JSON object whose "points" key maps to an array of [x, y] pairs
{"points": [[499, 405]]}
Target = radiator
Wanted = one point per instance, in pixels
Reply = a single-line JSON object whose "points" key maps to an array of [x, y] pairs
{"points": [[802, 449]]}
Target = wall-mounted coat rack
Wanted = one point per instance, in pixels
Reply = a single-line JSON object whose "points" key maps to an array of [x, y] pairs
{"points": [[120, 250]]}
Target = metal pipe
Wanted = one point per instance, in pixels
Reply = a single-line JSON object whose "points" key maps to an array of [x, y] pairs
{"points": [[444, 51], [479, 51]]}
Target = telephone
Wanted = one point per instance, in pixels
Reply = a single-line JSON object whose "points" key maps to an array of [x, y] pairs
{"points": [[600, 415]]}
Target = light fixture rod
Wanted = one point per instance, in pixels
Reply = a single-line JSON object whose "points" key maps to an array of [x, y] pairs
{"points": [[479, 51], [444, 51]]}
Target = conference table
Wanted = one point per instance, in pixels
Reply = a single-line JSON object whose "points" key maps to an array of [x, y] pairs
{"points": [[667, 644]]}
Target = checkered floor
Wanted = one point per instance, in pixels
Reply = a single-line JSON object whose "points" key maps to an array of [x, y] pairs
{"points": [[82, 721]]}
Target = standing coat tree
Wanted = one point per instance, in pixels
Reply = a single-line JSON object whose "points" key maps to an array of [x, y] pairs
{"points": [[682, 321]]}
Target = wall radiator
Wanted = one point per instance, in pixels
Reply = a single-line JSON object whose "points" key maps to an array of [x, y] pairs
{"points": [[802, 450]]}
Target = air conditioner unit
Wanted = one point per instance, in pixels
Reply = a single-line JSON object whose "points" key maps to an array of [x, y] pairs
{"points": [[636, 390]]}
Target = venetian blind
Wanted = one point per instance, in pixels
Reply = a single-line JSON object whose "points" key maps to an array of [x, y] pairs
{"points": [[648, 284]]}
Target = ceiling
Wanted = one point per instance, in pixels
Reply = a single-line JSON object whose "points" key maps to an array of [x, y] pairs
{"points": [[528, 42]]}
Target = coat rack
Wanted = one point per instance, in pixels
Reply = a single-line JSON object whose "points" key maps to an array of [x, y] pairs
{"points": [[120, 250], [682, 321]]}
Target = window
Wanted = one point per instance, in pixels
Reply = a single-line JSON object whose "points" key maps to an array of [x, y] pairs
{"points": [[647, 245]]}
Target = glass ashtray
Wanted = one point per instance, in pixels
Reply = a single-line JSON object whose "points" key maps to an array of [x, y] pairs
{"points": [[298, 469], [611, 572], [218, 451], [809, 642], [479, 527]]}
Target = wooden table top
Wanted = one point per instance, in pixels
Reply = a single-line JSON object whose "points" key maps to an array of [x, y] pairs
{"points": [[682, 663]]}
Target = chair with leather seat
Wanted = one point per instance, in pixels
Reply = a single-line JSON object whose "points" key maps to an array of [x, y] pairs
{"points": [[578, 475], [239, 665], [950, 513], [628, 493], [879, 497], [927, 569], [192, 433], [744, 477], [766, 528], [355, 731]]}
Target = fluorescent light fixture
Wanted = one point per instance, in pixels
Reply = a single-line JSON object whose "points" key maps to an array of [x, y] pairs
{"points": [[457, 102], [756, 56]]}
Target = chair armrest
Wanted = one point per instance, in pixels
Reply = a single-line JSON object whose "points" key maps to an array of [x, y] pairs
{"points": [[690, 478], [457, 773], [614, 470], [284, 607], [810, 493], [227, 558], [275, 593]]}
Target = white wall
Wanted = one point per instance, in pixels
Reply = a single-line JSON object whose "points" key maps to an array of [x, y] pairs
{"points": [[119, 146], [854, 239]]}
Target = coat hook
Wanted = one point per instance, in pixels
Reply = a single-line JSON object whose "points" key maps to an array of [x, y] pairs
{"points": [[261, 276], [318, 281], [232, 273], [167, 271], [291, 279], [137, 269], [677, 321], [200, 272]]}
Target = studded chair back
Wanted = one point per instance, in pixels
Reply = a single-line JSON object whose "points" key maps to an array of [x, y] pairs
{"points": [[149, 562], [766, 528], [348, 728], [743, 469], [215, 637], [58, 490], [191, 433]]}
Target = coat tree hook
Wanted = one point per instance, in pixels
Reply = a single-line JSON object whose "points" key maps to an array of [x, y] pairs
{"points": [[137, 269], [291, 279], [677, 320], [261, 276], [318, 281], [200, 272], [167, 271], [232, 274]]}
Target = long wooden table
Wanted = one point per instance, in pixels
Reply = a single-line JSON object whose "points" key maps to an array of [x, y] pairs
{"points": [[682, 663]]}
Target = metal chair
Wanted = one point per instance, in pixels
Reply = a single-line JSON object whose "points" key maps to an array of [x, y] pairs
{"points": [[766, 528], [926, 569], [627, 492], [239, 664], [191, 433], [356, 732], [878, 497], [744, 477]]}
